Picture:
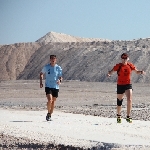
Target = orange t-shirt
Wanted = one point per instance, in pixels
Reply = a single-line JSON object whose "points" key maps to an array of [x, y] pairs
{"points": [[124, 74]]}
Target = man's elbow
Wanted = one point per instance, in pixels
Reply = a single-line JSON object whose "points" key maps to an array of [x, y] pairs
{"points": [[41, 75]]}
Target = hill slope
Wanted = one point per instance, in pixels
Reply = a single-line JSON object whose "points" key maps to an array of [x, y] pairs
{"points": [[85, 61], [61, 37]]}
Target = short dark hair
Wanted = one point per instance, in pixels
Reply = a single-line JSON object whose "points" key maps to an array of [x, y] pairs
{"points": [[124, 55], [51, 56]]}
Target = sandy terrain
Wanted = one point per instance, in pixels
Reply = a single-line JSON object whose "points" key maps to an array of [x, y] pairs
{"points": [[89, 98]]}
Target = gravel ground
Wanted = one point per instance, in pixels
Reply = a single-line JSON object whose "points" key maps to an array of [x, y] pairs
{"points": [[90, 98], [11, 142]]}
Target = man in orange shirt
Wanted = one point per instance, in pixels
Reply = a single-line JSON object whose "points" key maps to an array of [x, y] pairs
{"points": [[124, 85]]}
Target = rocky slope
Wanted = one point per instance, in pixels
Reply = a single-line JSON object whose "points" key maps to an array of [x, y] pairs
{"points": [[61, 37], [84, 59]]}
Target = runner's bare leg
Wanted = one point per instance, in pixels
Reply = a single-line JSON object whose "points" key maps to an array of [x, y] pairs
{"points": [[49, 99], [53, 104], [129, 101]]}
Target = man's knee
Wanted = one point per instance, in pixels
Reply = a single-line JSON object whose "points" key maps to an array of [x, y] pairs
{"points": [[119, 102], [49, 102], [129, 100], [54, 98], [49, 97]]}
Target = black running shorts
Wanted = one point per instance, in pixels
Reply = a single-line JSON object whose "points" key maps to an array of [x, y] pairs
{"points": [[122, 88], [52, 91]]}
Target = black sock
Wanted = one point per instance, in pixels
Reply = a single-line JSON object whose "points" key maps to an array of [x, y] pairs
{"points": [[118, 115]]}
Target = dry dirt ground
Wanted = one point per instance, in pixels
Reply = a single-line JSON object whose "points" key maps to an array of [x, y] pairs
{"points": [[92, 98]]}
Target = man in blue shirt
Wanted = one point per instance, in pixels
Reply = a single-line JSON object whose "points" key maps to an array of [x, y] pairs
{"points": [[53, 78]]}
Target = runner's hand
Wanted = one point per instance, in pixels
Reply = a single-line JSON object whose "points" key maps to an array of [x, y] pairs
{"points": [[143, 72], [58, 82], [41, 85], [108, 75]]}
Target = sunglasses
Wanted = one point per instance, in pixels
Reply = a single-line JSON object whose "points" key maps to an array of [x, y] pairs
{"points": [[124, 57]]}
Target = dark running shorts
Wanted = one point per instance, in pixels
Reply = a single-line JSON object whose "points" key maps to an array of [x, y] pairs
{"points": [[122, 88], [52, 91]]}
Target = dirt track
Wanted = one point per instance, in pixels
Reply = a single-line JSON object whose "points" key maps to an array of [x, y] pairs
{"points": [[92, 98], [77, 97]]}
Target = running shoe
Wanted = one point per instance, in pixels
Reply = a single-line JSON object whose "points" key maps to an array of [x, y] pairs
{"points": [[118, 118], [48, 117], [129, 120]]}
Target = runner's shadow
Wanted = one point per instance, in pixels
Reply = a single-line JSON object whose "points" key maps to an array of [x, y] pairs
{"points": [[21, 121]]}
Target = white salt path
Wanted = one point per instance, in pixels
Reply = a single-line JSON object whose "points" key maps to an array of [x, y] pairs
{"points": [[73, 129]]}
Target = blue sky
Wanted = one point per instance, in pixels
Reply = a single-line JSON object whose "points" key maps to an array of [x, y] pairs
{"points": [[29, 20]]}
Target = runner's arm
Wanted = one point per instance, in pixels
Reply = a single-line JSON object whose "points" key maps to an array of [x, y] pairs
{"points": [[139, 72], [110, 72], [41, 78], [59, 76], [59, 80]]}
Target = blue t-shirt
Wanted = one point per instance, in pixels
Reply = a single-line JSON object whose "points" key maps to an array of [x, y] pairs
{"points": [[52, 74]]}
